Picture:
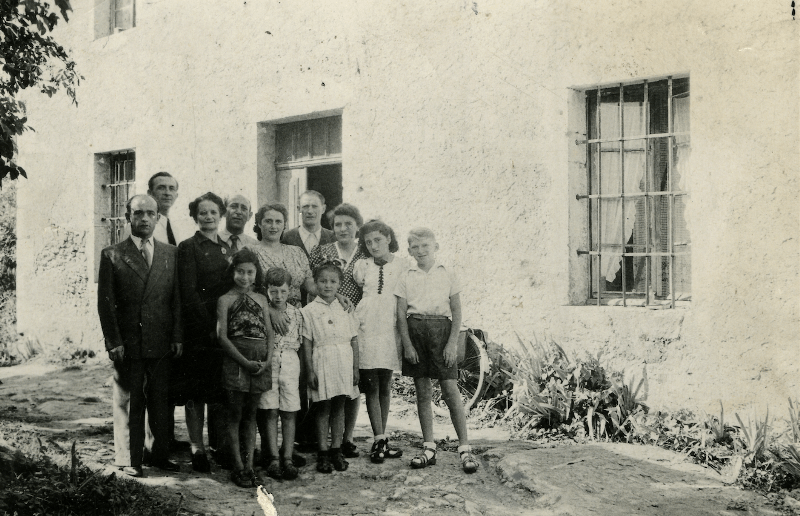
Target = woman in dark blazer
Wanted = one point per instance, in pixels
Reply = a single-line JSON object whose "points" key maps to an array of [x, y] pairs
{"points": [[202, 262]]}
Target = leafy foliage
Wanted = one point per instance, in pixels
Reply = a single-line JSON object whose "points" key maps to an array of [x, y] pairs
{"points": [[30, 58], [45, 487]]}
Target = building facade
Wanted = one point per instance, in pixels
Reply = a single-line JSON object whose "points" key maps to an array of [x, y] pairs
{"points": [[617, 176]]}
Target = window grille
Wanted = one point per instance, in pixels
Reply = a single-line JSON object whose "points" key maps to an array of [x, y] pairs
{"points": [[122, 173], [637, 151], [308, 143]]}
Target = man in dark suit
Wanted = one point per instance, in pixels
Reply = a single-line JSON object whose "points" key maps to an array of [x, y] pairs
{"points": [[310, 234], [139, 306]]}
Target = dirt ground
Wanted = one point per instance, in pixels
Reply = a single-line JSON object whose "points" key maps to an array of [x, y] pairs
{"points": [[61, 405]]}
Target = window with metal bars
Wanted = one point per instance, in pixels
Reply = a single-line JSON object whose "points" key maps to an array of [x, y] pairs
{"points": [[122, 176], [639, 248]]}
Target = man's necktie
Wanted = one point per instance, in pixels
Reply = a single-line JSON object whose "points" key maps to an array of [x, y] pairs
{"points": [[234, 243], [146, 254], [170, 235]]}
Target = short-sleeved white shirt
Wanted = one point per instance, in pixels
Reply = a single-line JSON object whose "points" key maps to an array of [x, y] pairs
{"points": [[428, 293]]}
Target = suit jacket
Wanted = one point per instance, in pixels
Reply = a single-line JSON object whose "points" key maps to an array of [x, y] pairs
{"points": [[139, 309], [292, 237]]}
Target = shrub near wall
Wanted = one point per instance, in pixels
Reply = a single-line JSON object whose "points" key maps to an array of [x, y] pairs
{"points": [[8, 268]]}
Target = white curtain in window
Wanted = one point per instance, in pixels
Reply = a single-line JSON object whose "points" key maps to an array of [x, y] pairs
{"points": [[612, 212]]}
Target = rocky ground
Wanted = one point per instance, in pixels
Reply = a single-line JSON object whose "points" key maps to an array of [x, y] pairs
{"points": [[50, 407]]}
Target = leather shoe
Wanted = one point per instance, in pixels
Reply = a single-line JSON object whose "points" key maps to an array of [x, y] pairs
{"points": [[133, 471], [167, 465], [200, 463]]}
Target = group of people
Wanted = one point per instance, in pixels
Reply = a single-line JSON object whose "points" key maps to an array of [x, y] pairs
{"points": [[291, 327]]}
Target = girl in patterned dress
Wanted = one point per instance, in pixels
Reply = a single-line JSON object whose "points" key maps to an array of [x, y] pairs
{"points": [[245, 335], [330, 350], [378, 339]]}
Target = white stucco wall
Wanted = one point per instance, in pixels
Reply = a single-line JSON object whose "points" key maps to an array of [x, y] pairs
{"points": [[460, 116]]}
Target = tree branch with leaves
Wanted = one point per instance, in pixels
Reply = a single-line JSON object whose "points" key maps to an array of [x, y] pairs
{"points": [[30, 57]]}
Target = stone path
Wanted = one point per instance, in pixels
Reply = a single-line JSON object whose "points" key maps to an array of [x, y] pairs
{"points": [[516, 478]]}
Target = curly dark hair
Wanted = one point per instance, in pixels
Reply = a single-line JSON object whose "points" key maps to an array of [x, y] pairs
{"points": [[347, 210], [245, 256], [275, 206], [208, 196], [383, 229], [329, 265]]}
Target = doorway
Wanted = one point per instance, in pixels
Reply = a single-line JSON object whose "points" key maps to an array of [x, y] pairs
{"points": [[327, 180]]}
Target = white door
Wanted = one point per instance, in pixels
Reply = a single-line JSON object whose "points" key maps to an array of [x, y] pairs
{"points": [[297, 185]]}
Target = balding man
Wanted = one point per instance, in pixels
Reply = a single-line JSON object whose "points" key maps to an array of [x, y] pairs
{"points": [[138, 303], [238, 212]]}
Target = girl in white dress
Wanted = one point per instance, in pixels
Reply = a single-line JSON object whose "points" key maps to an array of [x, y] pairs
{"points": [[330, 349], [378, 339]]}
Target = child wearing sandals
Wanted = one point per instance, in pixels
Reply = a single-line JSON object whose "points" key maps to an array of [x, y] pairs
{"points": [[330, 349], [429, 320], [379, 346], [283, 399], [245, 334]]}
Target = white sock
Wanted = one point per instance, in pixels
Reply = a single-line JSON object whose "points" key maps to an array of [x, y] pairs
{"points": [[379, 437], [464, 448]]}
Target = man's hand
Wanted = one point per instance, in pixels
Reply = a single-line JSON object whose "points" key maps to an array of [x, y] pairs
{"points": [[450, 354], [177, 349], [280, 321], [346, 303], [117, 354], [312, 380], [411, 354]]}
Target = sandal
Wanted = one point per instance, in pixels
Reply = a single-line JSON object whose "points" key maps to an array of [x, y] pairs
{"points": [[337, 459], [349, 450], [241, 479], [274, 468], [324, 462], [290, 471], [422, 461], [378, 452], [468, 461], [392, 452]]}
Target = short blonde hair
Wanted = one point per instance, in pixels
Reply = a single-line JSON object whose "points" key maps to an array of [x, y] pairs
{"points": [[420, 233]]}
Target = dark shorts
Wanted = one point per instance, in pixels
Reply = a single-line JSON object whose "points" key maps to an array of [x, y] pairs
{"points": [[429, 338], [366, 377]]}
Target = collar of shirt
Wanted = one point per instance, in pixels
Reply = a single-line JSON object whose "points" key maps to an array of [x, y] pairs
{"points": [[304, 233], [225, 236], [202, 238], [138, 241], [162, 221], [415, 267], [319, 300]]}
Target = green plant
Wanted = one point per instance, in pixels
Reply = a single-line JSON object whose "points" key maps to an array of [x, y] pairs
{"points": [[754, 437], [794, 420], [719, 432]]}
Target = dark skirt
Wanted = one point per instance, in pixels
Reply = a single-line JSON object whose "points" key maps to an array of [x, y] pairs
{"points": [[197, 375], [234, 378]]}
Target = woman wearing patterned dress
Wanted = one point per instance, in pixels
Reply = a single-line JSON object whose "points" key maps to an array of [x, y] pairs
{"points": [[379, 347], [346, 252]]}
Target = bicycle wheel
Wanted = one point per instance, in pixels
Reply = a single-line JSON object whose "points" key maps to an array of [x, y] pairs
{"points": [[472, 370]]}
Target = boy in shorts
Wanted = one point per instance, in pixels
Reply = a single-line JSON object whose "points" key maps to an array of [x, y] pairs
{"points": [[429, 320], [284, 397]]}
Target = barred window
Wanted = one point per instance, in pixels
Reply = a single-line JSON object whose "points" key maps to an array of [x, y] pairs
{"points": [[637, 149]]}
